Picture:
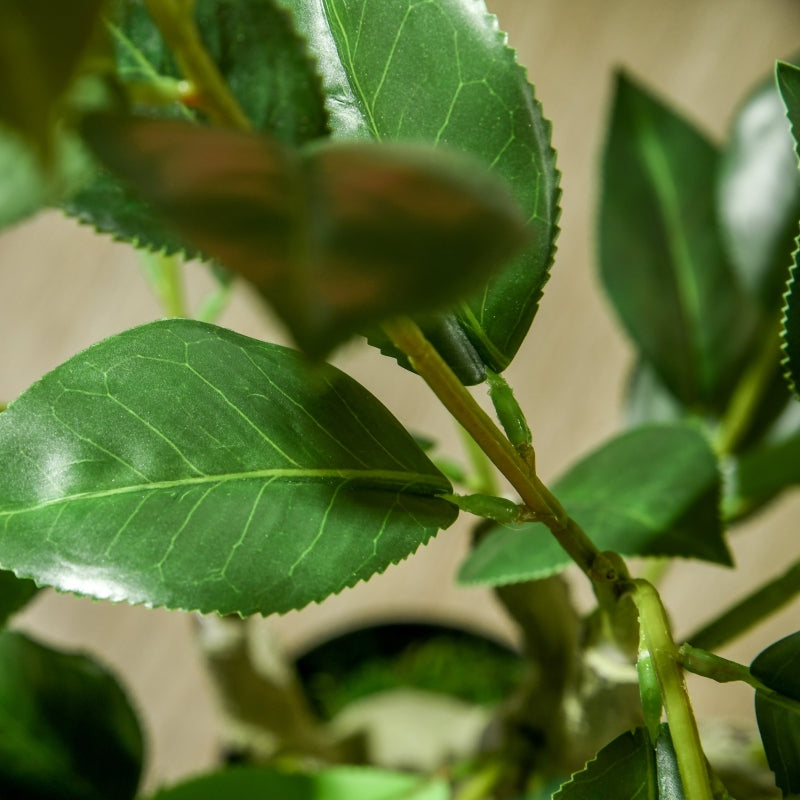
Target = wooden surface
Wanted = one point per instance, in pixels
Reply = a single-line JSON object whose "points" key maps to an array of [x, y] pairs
{"points": [[63, 289]]}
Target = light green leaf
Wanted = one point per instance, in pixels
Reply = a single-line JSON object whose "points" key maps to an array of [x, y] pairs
{"points": [[264, 63], [377, 61], [759, 194], [625, 769], [778, 714], [183, 465], [334, 783], [41, 46], [69, 732], [661, 257], [654, 490], [338, 237]]}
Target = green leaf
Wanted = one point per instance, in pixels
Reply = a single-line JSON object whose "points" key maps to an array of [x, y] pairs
{"points": [[670, 786], [377, 60], [68, 729], [661, 256], [759, 194], [625, 769], [788, 78], [790, 324], [266, 67], [334, 783], [41, 46], [338, 237], [14, 594], [653, 491], [778, 667], [183, 465]]}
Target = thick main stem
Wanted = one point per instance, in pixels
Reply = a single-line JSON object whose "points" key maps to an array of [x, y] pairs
{"points": [[666, 661], [406, 335]]}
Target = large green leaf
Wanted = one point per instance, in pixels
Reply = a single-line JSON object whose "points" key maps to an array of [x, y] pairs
{"points": [[758, 194], [441, 72], [337, 237], [263, 61], [68, 730], [778, 714], [335, 783], [41, 46], [661, 256], [625, 769], [654, 490], [183, 465]]}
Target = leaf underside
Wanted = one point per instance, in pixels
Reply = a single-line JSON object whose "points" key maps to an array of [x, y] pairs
{"points": [[654, 490], [182, 465], [441, 72]]}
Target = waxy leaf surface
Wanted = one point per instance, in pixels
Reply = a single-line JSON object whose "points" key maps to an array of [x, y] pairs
{"points": [[778, 713], [759, 194], [264, 63], [653, 491], [338, 237], [441, 72], [183, 465], [661, 256], [789, 85], [625, 769], [68, 729], [334, 783]]}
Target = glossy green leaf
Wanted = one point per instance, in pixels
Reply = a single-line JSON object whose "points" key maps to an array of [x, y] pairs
{"points": [[41, 45], [759, 194], [778, 667], [661, 256], [654, 490], [267, 68], [377, 60], [625, 769], [14, 594], [68, 730], [338, 237], [334, 783], [183, 465]]}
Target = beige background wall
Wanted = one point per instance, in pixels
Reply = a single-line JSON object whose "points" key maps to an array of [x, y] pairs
{"points": [[63, 289]]}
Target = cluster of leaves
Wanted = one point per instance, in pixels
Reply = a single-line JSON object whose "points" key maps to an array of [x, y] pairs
{"points": [[182, 465]]}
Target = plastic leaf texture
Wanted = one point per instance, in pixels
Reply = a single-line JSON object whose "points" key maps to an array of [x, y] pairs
{"points": [[778, 712], [335, 783], [338, 237], [759, 194], [441, 72], [183, 465], [661, 256], [68, 729], [654, 490], [788, 77], [266, 67]]}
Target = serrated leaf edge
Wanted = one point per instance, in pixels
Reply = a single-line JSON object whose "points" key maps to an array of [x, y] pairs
{"points": [[786, 366]]}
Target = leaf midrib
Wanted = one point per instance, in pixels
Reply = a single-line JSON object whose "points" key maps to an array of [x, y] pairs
{"points": [[379, 480]]}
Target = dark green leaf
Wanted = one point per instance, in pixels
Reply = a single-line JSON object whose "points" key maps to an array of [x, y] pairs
{"points": [[661, 256], [788, 77], [778, 667], [14, 594], [791, 325], [670, 786], [68, 730], [263, 61], [377, 62], [622, 770], [41, 45], [182, 465], [759, 194], [334, 783], [337, 238], [654, 491]]}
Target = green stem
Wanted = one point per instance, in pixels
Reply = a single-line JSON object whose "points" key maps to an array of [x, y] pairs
{"points": [[666, 661], [406, 335], [176, 23], [748, 394], [165, 276], [749, 611]]}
